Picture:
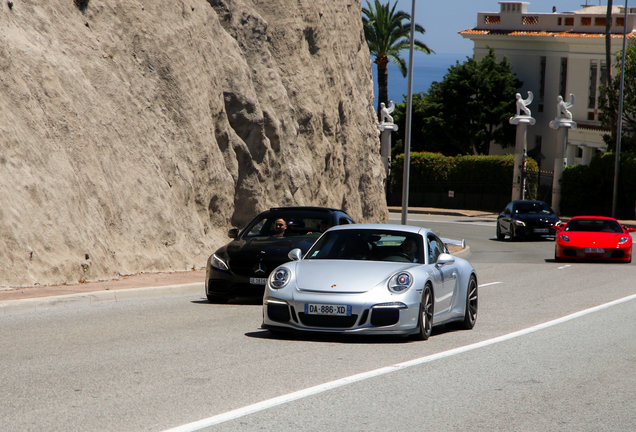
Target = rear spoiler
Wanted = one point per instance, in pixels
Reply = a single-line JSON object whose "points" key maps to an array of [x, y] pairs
{"points": [[461, 242]]}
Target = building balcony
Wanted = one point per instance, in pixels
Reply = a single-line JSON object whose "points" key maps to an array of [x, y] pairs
{"points": [[514, 16]]}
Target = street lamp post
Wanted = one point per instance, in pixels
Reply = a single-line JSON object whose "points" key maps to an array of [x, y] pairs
{"points": [[407, 132], [619, 125]]}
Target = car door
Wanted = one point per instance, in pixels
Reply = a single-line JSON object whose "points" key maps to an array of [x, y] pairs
{"points": [[447, 274], [505, 219]]}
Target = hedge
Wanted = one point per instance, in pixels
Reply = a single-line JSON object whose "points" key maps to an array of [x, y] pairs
{"points": [[590, 189], [466, 174]]}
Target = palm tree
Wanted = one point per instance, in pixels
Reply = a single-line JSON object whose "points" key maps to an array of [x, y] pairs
{"points": [[387, 33]]}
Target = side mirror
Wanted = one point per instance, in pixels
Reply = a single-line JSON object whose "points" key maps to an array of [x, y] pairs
{"points": [[444, 259], [295, 254], [630, 229], [232, 233]]}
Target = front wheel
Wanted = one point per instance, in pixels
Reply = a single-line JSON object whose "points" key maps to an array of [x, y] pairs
{"points": [[472, 301], [500, 236], [425, 324]]}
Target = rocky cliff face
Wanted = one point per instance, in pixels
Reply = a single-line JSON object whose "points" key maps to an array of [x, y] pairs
{"points": [[133, 134]]}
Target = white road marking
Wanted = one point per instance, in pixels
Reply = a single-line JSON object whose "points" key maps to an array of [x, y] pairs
{"points": [[280, 400], [488, 284], [564, 267]]}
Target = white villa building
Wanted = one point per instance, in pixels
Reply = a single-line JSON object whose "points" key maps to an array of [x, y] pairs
{"points": [[555, 53]]}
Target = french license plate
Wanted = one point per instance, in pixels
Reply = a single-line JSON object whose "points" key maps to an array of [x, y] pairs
{"points": [[541, 230], [594, 250], [323, 309], [258, 281]]}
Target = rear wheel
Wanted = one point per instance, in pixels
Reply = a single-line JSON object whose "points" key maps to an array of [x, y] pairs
{"points": [[425, 324], [472, 301]]}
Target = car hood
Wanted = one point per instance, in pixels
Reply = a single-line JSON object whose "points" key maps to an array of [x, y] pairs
{"points": [[536, 218], [267, 245], [593, 240], [339, 276]]}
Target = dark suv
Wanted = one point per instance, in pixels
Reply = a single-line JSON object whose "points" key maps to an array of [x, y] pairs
{"points": [[241, 268]]}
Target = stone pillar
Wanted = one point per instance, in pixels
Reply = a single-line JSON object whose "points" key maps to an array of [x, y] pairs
{"points": [[560, 161], [570, 154], [385, 150], [521, 146], [588, 152]]}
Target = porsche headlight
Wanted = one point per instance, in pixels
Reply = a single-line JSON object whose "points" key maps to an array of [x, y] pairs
{"points": [[279, 278], [623, 240], [564, 237], [218, 263], [519, 223], [400, 282]]}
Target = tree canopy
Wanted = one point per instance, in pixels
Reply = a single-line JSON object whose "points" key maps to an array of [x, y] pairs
{"points": [[387, 33], [609, 98], [467, 110]]}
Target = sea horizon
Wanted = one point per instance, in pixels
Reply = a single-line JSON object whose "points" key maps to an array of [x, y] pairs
{"points": [[426, 69]]}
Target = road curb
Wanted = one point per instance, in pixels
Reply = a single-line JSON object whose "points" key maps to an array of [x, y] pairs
{"points": [[462, 252], [39, 304], [431, 212]]}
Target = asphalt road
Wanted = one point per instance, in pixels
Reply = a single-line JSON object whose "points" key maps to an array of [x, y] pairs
{"points": [[156, 364]]}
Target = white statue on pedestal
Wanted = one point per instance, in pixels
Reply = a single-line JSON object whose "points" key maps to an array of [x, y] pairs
{"points": [[385, 113], [522, 104], [563, 107]]}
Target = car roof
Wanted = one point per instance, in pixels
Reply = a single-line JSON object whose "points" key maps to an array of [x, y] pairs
{"points": [[383, 227], [527, 201], [305, 208], [594, 217]]}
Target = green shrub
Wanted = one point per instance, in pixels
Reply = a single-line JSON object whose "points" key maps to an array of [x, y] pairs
{"points": [[590, 189], [466, 174]]}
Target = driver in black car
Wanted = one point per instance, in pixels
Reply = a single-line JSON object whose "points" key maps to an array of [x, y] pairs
{"points": [[279, 227]]}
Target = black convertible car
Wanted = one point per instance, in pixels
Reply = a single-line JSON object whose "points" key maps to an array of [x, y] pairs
{"points": [[241, 268]]}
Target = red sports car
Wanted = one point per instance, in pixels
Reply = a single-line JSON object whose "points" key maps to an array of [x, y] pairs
{"points": [[594, 237]]}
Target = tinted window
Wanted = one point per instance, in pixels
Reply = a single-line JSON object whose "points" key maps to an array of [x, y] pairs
{"points": [[344, 221], [435, 248], [532, 208]]}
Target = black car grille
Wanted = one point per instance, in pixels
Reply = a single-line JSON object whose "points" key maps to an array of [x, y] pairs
{"points": [[278, 312], [248, 267], [385, 316], [539, 224], [219, 285], [327, 321]]}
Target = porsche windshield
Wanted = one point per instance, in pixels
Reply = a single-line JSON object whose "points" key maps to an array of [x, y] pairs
{"points": [[352, 244]]}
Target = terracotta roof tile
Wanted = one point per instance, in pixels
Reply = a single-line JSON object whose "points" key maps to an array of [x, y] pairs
{"points": [[631, 35]]}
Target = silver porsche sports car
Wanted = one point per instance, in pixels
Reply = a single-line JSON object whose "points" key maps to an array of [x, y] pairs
{"points": [[372, 279]]}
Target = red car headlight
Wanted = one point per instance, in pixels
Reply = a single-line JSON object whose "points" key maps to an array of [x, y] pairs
{"points": [[623, 240], [564, 237]]}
